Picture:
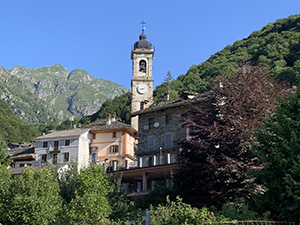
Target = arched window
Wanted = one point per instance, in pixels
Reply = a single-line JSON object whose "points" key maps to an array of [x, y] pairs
{"points": [[142, 67]]}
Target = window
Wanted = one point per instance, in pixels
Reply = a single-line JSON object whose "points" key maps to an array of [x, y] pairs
{"points": [[54, 159], [168, 140], [151, 141], [22, 164], [67, 142], [113, 162], [168, 119], [44, 157], [183, 118], [56, 144], [94, 156], [114, 134], [142, 67], [66, 157], [93, 136], [45, 144], [114, 149], [151, 122]]}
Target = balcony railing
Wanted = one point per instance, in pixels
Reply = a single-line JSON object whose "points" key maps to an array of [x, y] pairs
{"points": [[55, 149]]}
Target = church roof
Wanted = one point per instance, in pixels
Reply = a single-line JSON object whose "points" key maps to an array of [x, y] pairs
{"points": [[142, 43]]}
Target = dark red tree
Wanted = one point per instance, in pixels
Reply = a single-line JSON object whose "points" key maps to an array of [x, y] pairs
{"points": [[215, 160]]}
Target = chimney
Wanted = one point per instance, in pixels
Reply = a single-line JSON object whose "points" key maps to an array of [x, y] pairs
{"points": [[166, 97], [108, 122], [144, 104]]}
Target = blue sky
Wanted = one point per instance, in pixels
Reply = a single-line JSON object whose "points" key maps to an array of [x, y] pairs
{"points": [[97, 35]]}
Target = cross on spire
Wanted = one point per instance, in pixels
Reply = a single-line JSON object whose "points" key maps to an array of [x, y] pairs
{"points": [[143, 24]]}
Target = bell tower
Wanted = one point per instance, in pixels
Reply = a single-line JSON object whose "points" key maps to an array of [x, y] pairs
{"points": [[142, 81]]}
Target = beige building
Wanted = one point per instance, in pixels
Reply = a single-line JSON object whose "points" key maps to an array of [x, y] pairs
{"points": [[113, 143]]}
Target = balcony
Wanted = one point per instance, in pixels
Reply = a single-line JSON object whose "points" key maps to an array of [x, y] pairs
{"points": [[54, 150]]}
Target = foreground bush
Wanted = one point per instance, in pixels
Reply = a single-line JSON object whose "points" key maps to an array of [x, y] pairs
{"points": [[180, 213]]}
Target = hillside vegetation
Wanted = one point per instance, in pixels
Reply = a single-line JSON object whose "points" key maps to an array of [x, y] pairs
{"points": [[12, 128], [276, 45]]}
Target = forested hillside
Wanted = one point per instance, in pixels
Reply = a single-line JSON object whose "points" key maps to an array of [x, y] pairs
{"points": [[12, 128], [276, 45], [119, 106]]}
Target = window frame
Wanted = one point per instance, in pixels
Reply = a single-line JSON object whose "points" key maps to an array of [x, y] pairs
{"points": [[168, 140], [151, 140], [55, 159], [113, 149], [45, 144], [168, 119], [151, 122], [66, 156], [44, 157], [67, 142]]}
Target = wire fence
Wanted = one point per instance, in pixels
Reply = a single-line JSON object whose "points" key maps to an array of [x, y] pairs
{"points": [[253, 222]]}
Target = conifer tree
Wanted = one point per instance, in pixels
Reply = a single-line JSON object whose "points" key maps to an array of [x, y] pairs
{"points": [[278, 148]]}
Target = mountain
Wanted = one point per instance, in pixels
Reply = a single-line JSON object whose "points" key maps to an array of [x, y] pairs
{"points": [[23, 103], [59, 93]]}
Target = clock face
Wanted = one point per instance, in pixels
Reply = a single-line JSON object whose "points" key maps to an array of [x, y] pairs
{"points": [[142, 89]]}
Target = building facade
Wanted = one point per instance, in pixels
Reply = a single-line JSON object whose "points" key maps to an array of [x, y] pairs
{"points": [[161, 128], [62, 147], [22, 155], [113, 143]]}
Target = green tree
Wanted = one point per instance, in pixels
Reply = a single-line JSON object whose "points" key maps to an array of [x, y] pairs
{"points": [[5, 193], [4, 158], [123, 209], [90, 205], [278, 148], [68, 183], [168, 80], [34, 198]]}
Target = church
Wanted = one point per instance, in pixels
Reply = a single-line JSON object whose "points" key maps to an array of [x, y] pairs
{"points": [[160, 126]]}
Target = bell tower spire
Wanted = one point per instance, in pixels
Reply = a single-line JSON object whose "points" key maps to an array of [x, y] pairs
{"points": [[142, 81]]}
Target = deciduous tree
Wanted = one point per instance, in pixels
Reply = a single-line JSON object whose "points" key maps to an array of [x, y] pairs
{"points": [[90, 205], [215, 160], [34, 198]]}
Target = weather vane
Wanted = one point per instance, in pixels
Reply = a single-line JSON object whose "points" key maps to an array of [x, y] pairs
{"points": [[143, 28]]}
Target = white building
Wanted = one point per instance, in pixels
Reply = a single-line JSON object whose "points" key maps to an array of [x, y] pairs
{"points": [[61, 147]]}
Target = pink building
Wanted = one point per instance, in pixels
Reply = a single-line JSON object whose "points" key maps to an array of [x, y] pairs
{"points": [[112, 143]]}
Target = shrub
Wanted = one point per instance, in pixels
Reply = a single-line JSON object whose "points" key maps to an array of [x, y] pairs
{"points": [[177, 212]]}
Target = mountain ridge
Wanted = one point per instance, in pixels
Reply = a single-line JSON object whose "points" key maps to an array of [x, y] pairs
{"points": [[65, 94]]}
